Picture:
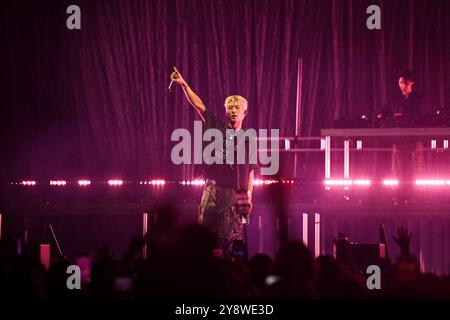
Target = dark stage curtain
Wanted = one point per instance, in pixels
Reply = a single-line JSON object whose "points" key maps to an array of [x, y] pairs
{"points": [[94, 102]]}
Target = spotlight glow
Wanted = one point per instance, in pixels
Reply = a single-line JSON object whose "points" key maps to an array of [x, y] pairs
{"points": [[346, 183], [260, 182], [158, 182], [197, 182], [287, 144], [58, 182], [84, 183], [338, 182], [28, 183], [431, 182], [391, 183], [115, 182], [362, 182]]}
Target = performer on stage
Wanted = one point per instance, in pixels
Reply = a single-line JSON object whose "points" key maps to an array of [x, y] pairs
{"points": [[225, 184], [406, 109]]}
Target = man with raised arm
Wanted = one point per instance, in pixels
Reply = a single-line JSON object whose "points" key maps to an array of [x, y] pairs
{"points": [[226, 199]]}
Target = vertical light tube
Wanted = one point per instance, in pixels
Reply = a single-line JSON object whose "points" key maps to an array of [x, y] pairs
{"points": [[144, 232], [327, 157], [305, 229], [317, 234], [261, 238], [346, 159], [45, 255]]}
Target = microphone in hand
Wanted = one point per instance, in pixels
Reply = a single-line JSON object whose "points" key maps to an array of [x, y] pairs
{"points": [[175, 77], [170, 85]]}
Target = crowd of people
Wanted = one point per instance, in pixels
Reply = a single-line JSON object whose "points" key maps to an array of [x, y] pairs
{"points": [[183, 262]]}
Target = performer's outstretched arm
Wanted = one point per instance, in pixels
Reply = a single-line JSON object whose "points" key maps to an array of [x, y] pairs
{"points": [[191, 96]]}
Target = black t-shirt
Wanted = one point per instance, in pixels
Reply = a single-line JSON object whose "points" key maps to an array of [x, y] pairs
{"points": [[227, 175], [410, 107]]}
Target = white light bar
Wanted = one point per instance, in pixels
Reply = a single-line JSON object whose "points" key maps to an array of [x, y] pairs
{"points": [[338, 182], [28, 183], [359, 144], [158, 182], [432, 182], [260, 182], [287, 144], [84, 183], [362, 182], [358, 182], [115, 182], [58, 182], [391, 183], [196, 182]]}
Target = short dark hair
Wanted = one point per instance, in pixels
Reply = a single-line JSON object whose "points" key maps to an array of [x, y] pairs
{"points": [[407, 75]]}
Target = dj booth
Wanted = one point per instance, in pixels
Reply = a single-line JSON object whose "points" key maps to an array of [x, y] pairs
{"points": [[434, 139]]}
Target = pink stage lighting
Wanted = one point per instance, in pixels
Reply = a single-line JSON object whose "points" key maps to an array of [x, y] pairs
{"points": [[84, 183], [359, 182], [154, 182], [338, 182], [287, 144], [115, 182], [197, 182], [58, 182], [158, 182], [256, 182], [390, 183], [260, 182], [362, 182], [28, 183], [432, 182]]}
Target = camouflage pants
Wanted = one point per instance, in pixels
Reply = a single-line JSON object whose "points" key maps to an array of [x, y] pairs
{"points": [[217, 212]]}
